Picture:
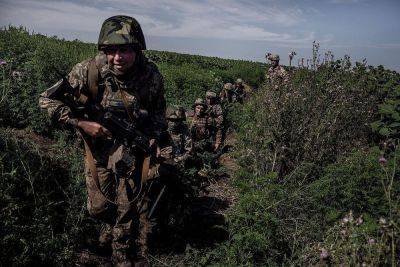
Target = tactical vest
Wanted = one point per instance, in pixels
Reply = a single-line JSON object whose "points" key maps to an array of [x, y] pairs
{"points": [[105, 90]]}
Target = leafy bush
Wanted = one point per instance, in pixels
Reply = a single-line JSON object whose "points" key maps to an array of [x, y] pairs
{"points": [[32, 61], [350, 243], [42, 201], [277, 222], [314, 118], [298, 175]]}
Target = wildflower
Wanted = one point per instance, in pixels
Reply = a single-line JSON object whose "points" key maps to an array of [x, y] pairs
{"points": [[16, 75], [324, 254], [382, 221], [348, 218], [2, 62], [351, 216], [382, 160], [371, 241], [359, 221]]}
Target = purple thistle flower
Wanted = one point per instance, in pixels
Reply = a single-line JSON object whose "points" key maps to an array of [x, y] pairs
{"points": [[324, 254], [2, 62], [371, 241], [382, 160]]}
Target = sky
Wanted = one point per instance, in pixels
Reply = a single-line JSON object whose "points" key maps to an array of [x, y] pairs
{"points": [[238, 29]]}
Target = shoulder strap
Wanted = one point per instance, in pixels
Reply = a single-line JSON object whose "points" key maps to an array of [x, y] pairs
{"points": [[93, 79]]}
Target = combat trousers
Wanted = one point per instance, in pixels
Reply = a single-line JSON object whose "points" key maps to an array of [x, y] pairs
{"points": [[113, 205]]}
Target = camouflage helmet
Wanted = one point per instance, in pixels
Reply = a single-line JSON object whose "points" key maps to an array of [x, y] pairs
{"points": [[199, 102], [175, 113], [171, 114], [181, 113], [228, 86], [273, 57], [239, 81], [210, 94], [120, 30]]}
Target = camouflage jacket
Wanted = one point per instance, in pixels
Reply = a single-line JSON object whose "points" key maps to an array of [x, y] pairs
{"points": [[277, 75], [226, 96], [179, 134], [142, 91], [216, 120]]}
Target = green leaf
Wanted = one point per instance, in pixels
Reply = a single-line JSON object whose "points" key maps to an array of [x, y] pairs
{"points": [[385, 131], [375, 125], [386, 109], [394, 125], [396, 116]]}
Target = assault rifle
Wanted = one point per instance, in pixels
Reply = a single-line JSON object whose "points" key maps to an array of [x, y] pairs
{"points": [[123, 130]]}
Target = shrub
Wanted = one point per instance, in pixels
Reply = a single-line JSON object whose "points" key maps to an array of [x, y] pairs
{"points": [[42, 201], [298, 175]]}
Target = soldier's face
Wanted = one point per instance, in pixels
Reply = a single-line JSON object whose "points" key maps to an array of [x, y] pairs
{"points": [[274, 63], [199, 110], [120, 57]]}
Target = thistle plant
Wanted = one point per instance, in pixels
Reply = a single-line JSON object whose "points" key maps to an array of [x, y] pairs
{"points": [[291, 55]]}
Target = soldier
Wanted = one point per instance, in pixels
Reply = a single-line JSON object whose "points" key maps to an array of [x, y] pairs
{"points": [[239, 91], [276, 74], [200, 129], [120, 79], [215, 114], [178, 133], [226, 93]]}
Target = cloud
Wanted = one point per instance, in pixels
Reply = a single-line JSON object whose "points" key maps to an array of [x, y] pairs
{"points": [[346, 1], [386, 46], [222, 19]]}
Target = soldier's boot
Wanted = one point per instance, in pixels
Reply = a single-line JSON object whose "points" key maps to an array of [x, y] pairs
{"points": [[145, 228], [121, 246], [142, 259], [120, 257], [142, 262]]}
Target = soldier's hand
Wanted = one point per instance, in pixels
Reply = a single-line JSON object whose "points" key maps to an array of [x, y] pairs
{"points": [[94, 129], [153, 144]]}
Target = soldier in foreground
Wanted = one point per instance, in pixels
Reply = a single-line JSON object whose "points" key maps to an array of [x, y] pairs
{"points": [[276, 74], [215, 114], [119, 91]]}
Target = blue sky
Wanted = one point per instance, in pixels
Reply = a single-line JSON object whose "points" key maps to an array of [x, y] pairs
{"points": [[229, 28]]}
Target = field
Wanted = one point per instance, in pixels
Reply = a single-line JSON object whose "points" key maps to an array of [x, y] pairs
{"points": [[317, 179]]}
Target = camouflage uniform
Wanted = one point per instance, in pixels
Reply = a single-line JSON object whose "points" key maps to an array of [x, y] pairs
{"points": [[142, 90], [276, 75], [216, 118], [226, 94], [178, 143], [239, 91], [200, 130]]}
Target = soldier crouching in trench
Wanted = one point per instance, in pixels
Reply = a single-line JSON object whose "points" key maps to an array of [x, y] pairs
{"points": [[123, 84]]}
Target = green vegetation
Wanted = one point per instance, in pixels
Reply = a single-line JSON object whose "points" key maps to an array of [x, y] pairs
{"points": [[308, 157], [318, 180]]}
